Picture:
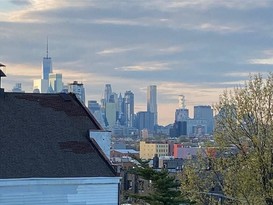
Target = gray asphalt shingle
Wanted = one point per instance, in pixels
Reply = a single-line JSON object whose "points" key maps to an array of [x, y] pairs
{"points": [[47, 135]]}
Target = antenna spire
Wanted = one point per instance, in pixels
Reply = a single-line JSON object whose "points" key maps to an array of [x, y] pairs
{"points": [[47, 47]]}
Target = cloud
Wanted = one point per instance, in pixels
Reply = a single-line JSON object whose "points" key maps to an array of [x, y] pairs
{"points": [[196, 48], [206, 4], [221, 28], [146, 67], [262, 61], [171, 49], [19, 70], [127, 22], [111, 51], [21, 2], [236, 74]]}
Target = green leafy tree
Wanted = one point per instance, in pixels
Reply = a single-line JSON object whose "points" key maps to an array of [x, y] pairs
{"points": [[243, 168], [197, 180], [245, 121], [165, 189]]}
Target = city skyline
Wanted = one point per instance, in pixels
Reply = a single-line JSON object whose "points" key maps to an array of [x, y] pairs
{"points": [[191, 48]]}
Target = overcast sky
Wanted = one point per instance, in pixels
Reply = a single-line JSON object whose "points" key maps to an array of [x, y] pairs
{"points": [[197, 48]]}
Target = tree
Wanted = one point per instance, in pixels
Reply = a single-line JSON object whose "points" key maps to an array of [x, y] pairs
{"points": [[165, 188], [196, 181], [243, 168]]}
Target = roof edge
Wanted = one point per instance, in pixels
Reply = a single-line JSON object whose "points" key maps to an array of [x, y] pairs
{"points": [[101, 153], [90, 115]]}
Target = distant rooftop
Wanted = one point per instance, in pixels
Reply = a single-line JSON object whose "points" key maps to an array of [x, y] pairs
{"points": [[127, 151]]}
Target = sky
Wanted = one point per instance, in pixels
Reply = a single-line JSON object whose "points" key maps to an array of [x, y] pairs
{"points": [[193, 48]]}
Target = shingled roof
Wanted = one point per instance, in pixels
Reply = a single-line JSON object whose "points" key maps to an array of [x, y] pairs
{"points": [[47, 135]]}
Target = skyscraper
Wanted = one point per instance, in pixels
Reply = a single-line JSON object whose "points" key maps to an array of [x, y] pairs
{"points": [[78, 89], [129, 108], [55, 82], [181, 114], [204, 112], [42, 85], [152, 101], [145, 120], [107, 92], [47, 65], [110, 113]]}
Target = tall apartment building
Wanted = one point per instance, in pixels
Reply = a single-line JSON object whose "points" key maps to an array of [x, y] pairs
{"points": [[152, 101], [204, 112], [78, 89], [149, 149]]}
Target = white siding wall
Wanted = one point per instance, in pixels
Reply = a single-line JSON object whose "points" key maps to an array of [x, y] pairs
{"points": [[67, 191], [103, 138]]}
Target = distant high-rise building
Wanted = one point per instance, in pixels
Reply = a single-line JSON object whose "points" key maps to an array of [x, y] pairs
{"points": [[47, 65], [45, 85], [181, 119], [181, 102], [110, 113], [120, 99], [181, 114], [17, 88], [95, 109], [204, 112], [40, 85], [129, 108], [107, 92], [179, 129], [55, 82], [93, 106], [152, 101], [78, 89], [145, 120], [113, 98]]}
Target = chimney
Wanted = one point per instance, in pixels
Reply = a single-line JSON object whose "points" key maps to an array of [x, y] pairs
{"points": [[2, 74]]}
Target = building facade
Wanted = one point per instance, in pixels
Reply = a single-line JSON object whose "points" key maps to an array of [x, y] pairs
{"points": [[55, 82], [78, 89], [145, 120], [149, 149], [152, 101], [128, 109], [17, 88], [47, 67], [110, 113], [204, 112]]}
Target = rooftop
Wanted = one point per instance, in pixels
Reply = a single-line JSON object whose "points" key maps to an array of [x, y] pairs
{"points": [[47, 135]]}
